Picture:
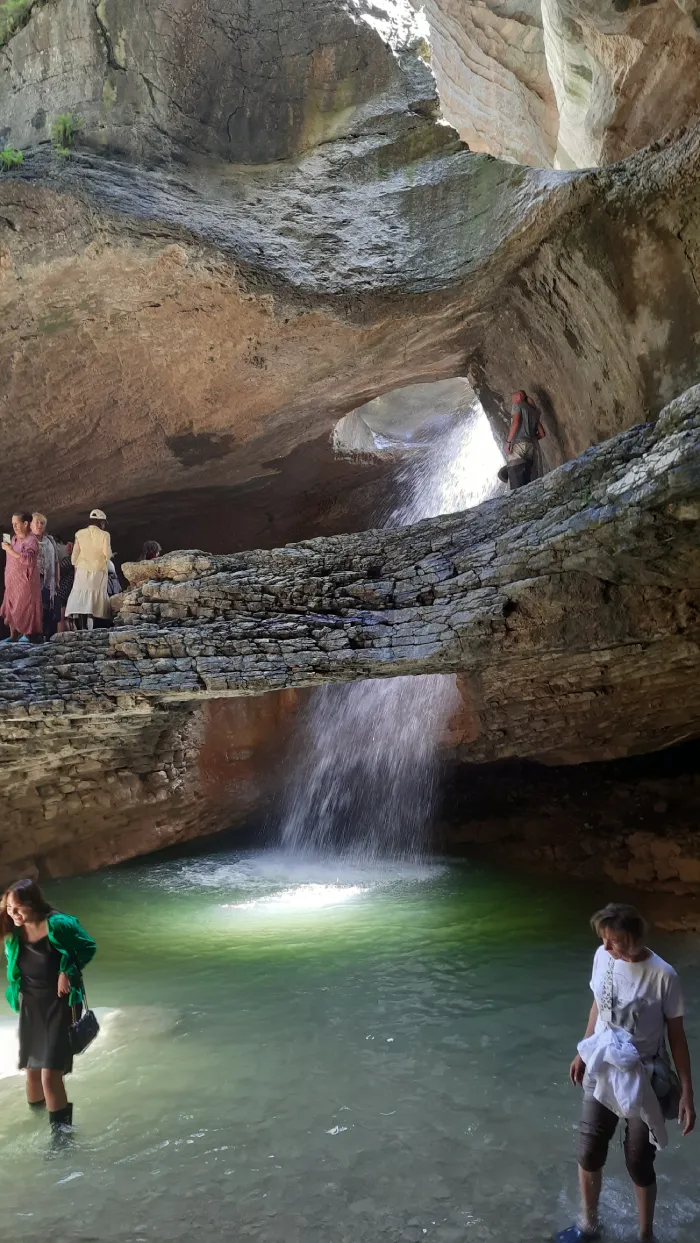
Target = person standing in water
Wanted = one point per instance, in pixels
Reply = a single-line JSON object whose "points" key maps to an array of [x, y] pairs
{"points": [[624, 1067], [46, 953], [525, 431]]}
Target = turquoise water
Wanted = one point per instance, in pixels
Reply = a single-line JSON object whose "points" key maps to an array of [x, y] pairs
{"points": [[296, 1056]]}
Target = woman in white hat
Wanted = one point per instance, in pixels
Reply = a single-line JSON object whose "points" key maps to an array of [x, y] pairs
{"points": [[91, 555]]}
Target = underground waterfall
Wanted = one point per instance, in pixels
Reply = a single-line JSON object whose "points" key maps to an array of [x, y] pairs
{"points": [[364, 773]]}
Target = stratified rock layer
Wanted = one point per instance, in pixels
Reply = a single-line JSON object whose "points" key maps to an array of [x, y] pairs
{"points": [[571, 611], [569, 83]]}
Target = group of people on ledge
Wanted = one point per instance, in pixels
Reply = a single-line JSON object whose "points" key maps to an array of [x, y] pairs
{"points": [[52, 586]]}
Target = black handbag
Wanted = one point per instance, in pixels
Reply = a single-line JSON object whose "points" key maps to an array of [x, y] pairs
{"points": [[83, 1030]]}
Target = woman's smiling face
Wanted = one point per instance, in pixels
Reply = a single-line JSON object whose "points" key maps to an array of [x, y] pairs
{"points": [[19, 914]]}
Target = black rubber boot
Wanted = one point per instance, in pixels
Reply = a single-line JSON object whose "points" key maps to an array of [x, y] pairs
{"points": [[37, 1104], [61, 1121]]}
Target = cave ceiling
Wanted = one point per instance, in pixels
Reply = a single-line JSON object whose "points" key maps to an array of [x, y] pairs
{"points": [[266, 223]]}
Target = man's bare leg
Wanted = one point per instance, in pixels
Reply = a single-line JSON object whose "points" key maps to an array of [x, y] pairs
{"points": [[590, 1183]]}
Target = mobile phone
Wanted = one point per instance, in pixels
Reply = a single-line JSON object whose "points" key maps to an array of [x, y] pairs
{"points": [[7, 539]]}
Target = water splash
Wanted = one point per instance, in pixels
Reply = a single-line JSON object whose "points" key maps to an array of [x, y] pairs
{"points": [[366, 761]]}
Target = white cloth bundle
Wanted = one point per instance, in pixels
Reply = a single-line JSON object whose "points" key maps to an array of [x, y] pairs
{"points": [[622, 1082]]}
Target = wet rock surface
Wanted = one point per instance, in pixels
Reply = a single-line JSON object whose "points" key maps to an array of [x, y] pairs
{"points": [[599, 556], [265, 224]]}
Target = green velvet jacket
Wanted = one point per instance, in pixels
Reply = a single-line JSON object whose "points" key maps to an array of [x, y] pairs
{"points": [[72, 942]]}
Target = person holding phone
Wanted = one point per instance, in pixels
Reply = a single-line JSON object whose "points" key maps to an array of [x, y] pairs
{"points": [[21, 609]]}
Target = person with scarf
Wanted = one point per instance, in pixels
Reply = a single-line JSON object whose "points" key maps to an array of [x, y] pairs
{"points": [[48, 571]]}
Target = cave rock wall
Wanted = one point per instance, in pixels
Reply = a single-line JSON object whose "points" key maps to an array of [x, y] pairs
{"points": [[565, 83]]}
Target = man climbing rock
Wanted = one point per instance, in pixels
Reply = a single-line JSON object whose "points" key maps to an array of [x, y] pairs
{"points": [[525, 430]]}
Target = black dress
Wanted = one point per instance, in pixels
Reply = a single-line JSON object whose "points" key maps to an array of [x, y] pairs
{"points": [[65, 582], [44, 1017]]}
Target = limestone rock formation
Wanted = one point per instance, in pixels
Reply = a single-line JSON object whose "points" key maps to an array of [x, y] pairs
{"points": [[570, 610], [249, 85], [568, 83], [490, 62], [174, 318], [79, 794]]}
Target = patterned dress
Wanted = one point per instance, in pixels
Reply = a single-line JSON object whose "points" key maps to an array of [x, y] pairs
{"points": [[21, 608]]}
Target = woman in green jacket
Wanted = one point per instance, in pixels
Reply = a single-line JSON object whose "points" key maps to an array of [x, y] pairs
{"points": [[45, 952]]}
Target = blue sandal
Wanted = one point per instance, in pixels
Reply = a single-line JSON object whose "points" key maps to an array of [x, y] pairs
{"points": [[574, 1234]]}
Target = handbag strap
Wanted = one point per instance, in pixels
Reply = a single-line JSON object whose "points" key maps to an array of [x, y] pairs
{"points": [[81, 985]]}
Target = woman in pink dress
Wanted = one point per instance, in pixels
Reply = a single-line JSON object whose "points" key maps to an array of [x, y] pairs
{"points": [[21, 608]]}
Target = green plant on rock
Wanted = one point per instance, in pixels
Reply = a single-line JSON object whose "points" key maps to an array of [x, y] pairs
{"points": [[13, 15], [10, 157], [64, 131]]}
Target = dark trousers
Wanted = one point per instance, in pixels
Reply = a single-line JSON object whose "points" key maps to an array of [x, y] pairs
{"points": [[520, 472], [598, 1126], [50, 620]]}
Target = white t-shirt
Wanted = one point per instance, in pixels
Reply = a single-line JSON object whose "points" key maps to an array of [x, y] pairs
{"points": [[645, 994]]}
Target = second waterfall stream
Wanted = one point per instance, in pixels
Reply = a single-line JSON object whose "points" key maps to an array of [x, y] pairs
{"points": [[364, 776]]}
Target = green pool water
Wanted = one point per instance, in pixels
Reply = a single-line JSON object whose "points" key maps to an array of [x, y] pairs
{"points": [[297, 1053]]}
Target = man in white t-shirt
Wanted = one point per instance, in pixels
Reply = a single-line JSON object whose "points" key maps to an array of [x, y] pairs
{"points": [[637, 996]]}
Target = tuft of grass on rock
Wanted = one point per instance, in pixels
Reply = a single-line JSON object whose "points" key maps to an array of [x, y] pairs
{"points": [[10, 157], [64, 132]]}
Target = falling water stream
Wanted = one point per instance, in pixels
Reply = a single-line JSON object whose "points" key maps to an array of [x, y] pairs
{"points": [[365, 765]]}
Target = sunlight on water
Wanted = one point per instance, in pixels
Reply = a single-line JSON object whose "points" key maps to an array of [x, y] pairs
{"points": [[305, 898], [364, 771]]}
